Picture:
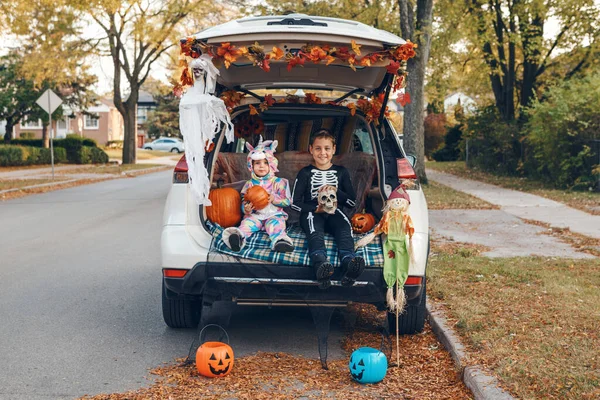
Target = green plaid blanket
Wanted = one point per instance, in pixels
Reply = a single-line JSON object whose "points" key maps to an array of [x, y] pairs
{"points": [[258, 247]]}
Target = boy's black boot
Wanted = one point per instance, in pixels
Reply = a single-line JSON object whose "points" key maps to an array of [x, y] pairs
{"points": [[352, 267], [323, 270]]}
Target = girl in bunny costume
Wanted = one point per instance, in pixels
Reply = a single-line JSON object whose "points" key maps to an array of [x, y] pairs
{"points": [[263, 166]]}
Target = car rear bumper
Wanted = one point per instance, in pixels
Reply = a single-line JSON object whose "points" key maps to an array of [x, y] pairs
{"points": [[279, 284]]}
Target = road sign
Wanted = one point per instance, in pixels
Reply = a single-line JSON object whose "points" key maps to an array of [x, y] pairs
{"points": [[49, 101]]}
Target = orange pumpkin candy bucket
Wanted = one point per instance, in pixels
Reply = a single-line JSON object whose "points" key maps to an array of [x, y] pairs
{"points": [[214, 359]]}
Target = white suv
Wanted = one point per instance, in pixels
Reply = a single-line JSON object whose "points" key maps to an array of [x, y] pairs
{"points": [[198, 269]]}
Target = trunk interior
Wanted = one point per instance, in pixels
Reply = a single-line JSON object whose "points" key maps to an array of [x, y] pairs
{"points": [[292, 128]]}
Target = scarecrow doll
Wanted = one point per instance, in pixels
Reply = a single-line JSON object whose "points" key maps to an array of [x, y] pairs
{"points": [[397, 247]]}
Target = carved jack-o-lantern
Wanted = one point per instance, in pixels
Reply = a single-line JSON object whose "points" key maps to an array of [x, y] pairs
{"points": [[368, 365], [257, 196], [214, 359], [362, 222]]}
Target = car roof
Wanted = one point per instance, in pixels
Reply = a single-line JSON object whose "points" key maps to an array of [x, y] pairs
{"points": [[290, 33], [296, 26]]}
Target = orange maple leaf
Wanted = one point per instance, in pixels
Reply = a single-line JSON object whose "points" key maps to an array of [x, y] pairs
{"points": [[178, 90], [253, 110], [295, 60], [277, 53], [231, 98], [330, 59], [391, 254], [398, 82], [403, 99], [406, 51], [343, 53], [265, 64], [356, 47], [186, 79], [269, 100], [317, 54], [393, 67], [365, 62], [186, 46], [351, 61], [228, 53], [352, 108], [312, 98]]}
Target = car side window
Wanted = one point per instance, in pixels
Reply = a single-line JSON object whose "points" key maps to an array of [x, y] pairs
{"points": [[240, 146], [159, 141], [362, 139]]}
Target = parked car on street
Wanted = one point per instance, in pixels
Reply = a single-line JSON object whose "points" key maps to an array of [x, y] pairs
{"points": [[174, 145], [196, 271]]}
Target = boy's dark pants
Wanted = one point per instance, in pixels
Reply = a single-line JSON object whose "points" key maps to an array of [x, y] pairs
{"points": [[315, 224]]}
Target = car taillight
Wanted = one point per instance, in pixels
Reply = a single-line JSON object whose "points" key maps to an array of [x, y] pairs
{"points": [[174, 273], [406, 174], [414, 280], [180, 174], [405, 170]]}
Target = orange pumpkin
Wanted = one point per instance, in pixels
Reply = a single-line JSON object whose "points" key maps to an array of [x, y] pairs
{"points": [[258, 197], [362, 222], [226, 209], [214, 359]]}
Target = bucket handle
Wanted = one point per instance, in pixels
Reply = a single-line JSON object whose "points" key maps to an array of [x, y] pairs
{"points": [[218, 326]]}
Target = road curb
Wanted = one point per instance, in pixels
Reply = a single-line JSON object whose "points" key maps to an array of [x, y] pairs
{"points": [[483, 386]]}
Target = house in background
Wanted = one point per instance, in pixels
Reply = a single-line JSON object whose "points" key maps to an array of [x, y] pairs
{"points": [[105, 124], [458, 98], [145, 105]]}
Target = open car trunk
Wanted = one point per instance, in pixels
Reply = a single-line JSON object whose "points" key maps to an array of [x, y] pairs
{"points": [[292, 128]]}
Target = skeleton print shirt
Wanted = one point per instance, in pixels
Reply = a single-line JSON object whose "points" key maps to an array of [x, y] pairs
{"points": [[311, 178]]}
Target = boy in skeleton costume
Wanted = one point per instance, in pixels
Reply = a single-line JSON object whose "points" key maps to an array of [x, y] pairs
{"points": [[320, 190], [263, 166]]}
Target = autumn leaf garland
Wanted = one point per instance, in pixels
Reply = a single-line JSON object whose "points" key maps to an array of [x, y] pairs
{"points": [[227, 54], [371, 108]]}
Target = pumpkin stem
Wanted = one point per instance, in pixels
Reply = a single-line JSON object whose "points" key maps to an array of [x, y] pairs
{"points": [[220, 183]]}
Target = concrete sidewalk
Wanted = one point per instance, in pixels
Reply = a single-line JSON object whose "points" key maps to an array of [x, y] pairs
{"points": [[524, 205], [36, 173]]}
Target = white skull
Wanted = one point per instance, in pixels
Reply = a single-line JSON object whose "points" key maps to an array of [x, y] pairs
{"points": [[327, 198]]}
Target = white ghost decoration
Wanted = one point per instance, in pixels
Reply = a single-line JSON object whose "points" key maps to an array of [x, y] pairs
{"points": [[201, 118]]}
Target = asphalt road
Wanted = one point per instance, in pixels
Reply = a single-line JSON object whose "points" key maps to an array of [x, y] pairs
{"points": [[80, 306]]}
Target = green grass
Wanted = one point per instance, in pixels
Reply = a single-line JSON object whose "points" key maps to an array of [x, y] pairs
{"points": [[442, 197], [534, 321], [585, 201]]}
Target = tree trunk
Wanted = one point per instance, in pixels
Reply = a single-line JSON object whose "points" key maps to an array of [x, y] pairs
{"points": [[45, 136], [130, 121], [414, 136], [8, 131]]}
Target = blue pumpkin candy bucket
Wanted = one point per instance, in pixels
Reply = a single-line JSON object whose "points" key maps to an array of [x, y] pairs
{"points": [[368, 365]]}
